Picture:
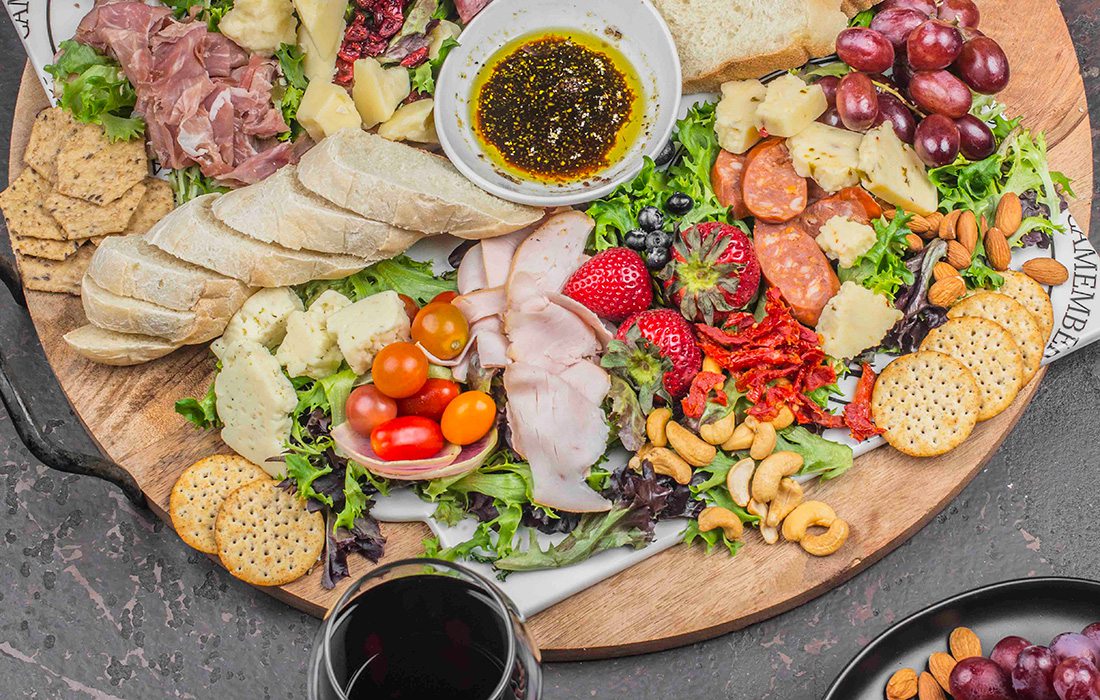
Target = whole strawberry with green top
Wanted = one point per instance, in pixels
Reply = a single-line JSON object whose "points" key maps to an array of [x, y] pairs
{"points": [[655, 350], [613, 284], [714, 272]]}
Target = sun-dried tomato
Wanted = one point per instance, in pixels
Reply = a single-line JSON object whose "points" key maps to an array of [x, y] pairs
{"points": [[415, 58], [857, 414], [696, 401]]}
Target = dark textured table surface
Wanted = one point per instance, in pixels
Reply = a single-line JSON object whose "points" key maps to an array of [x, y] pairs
{"points": [[98, 600]]}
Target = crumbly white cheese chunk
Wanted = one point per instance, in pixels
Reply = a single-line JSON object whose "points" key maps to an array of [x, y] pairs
{"points": [[261, 319], [735, 120], [367, 326], [893, 171], [325, 109], [827, 154], [844, 240], [854, 320], [790, 106], [260, 26], [254, 402], [309, 349]]}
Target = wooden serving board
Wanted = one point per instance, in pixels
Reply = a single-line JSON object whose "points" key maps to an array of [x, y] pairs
{"points": [[679, 596]]}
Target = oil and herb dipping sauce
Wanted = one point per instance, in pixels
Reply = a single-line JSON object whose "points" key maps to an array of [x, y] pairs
{"points": [[557, 106]]}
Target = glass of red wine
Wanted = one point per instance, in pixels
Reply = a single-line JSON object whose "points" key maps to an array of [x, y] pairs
{"points": [[422, 628]]}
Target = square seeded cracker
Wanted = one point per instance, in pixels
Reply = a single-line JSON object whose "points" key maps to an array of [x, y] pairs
{"points": [[157, 203], [52, 128], [22, 207], [83, 219], [42, 248], [91, 167], [64, 276]]}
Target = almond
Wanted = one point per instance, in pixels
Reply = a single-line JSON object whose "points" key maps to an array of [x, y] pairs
{"points": [[941, 270], [914, 241], [947, 226], [934, 220], [889, 214], [947, 291], [1009, 214], [919, 224], [902, 685], [964, 643], [1046, 271], [996, 249], [928, 688], [966, 230], [957, 255], [941, 665]]}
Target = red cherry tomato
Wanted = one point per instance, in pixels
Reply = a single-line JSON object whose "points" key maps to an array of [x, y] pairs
{"points": [[411, 307], [445, 297], [399, 370], [469, 417], [441, 329], [407, 437], [431, 400], [367, 408]]}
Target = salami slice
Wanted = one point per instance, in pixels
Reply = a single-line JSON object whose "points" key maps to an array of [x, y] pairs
{"points": [[851, 203], [726, 177], [773, 191], [792, 262]]}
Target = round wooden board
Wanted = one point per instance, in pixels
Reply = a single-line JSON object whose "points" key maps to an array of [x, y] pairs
{"points": [[679, 596]]}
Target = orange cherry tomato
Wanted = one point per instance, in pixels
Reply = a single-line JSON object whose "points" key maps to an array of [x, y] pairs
{"points": [[431, 400], [442, 329], [411, 307], [469, 417], [407, 437], [444, 297], [367, 408], [400, 370]]}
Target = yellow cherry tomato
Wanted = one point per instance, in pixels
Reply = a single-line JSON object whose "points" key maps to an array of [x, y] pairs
{"points": [[469, 417], [441, 329]]}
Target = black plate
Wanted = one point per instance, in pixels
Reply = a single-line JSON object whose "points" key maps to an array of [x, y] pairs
{"points": [[1036, 609]]}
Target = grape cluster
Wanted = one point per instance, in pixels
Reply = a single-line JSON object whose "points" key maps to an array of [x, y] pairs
{"points": [[916, 67]]}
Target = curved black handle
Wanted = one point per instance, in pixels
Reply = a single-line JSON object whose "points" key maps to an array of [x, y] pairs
{"points": [[37, 443]]}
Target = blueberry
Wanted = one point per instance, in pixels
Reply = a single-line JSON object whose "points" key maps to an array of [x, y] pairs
{"points": [[635, 240], [679, 204], [657, 240], [657, 258], [650, 219], [666, 155]]}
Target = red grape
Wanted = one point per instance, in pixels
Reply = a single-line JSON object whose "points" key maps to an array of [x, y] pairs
{"points": [[933, 45], [965, 12], [940, 92], [983, 65], [903, 72], [1032, 679], [865, 50], [928, 7], [1093, 632], [976, 141], [978, 678], [896, 24], [937, 140], [1076, 679], [1073, 645], [831, 117], [857, 102], [1007, 651], [828, 86], [894, 110]]}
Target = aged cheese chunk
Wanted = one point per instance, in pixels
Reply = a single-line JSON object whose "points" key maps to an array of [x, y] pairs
{"points": [[367, 326], [412, 122], [378, 91], [845, 240], [254, 403], [261, 319], [440, 33], [317, 64], [854, 320], [260, 25], [893, 171], [790, 106], [325, 109], [827, 154], [735, 119], [321, 34], [309, 349]]}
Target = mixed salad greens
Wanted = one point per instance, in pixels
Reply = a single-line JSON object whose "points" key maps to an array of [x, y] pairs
{"points": [[93, 88]]}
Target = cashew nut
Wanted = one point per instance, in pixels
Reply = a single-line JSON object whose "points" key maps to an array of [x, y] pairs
{"points": [[763, 444], [655, 424], [829, 541], [752, 422], [667, 462], [719, 431], [784, 419], [688, 445], [770, 534], [741, 439], [711, 365], [790, 495], [738, 480], [715, 517], [765, 483], [805, 516]]}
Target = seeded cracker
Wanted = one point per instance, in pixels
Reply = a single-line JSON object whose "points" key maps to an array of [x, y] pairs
{"points": [[42, 248], [991, 355], [90, 167], [927, 403], [157, 203], [200, 491], [266, 536], [1031, 295], [42, 275], [82, 219], [52, 127], [22, 206], [1015, 319]]}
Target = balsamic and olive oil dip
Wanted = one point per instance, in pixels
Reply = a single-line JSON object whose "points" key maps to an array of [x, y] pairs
{"points": [[557, 106]]}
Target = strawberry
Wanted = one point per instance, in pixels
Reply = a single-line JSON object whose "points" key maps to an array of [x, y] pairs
{"points": [[613, 284], [713, 272], [656, 351]]}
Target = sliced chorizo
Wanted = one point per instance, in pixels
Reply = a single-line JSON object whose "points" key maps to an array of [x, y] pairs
{"points": [[773, 191], [791, 261], [850, 203], [726, 177]]}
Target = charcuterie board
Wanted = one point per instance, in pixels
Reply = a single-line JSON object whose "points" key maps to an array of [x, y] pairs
{"points": [[680, 595]]}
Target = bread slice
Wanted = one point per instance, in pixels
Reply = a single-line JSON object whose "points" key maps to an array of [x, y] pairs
{"points": [[118, 349], [279, 210], [130, 267], [192, 233], [407, 187], [112, 312]]}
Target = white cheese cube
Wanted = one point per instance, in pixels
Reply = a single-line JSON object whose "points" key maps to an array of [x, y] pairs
{"points": [[854, 320], [325, 109], [254, 402], [790, 106], [412, 122], [378, 91], [844, 240], [309, 349], [892, 171], [367, 326], [261, 319], [827, 154], [328, 302], [324, 21], [735, 119], [260, 25]]}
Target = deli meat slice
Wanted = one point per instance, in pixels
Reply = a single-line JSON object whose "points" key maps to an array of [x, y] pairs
{"points": [[544, 333], [553, 251], [773, 191], [471, 271], [468, 9], [792, 261]]}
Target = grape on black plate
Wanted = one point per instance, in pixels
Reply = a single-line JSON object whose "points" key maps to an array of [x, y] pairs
{"points": [[857, 101], [1073, 645], [979, 678], [983, 65], [937, 140], [1007, 652], [1077, 679], [976, 140], [1033, 676]]}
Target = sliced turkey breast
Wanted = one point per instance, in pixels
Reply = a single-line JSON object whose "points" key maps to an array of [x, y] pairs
{"points": [[553, 251], [543, 333], [471, 271]]}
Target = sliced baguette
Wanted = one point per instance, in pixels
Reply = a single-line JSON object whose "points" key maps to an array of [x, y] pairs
{"points": [[130, 267], [407, 187], [112, 312], [118, 349], [192, 233], [279, 210]]}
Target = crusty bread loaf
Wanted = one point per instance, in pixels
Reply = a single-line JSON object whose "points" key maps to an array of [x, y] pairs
{"points": [[112, 312], [279, 210], [192, 233], [118, 349], [407, 187]]}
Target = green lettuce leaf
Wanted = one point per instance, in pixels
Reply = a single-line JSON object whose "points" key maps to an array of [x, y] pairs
{"points": [[423, 77], [820, 457], [402, 274], [882, 269], [709, 539], [595, 533], [288, 95], [201, 412], [713, 492], [189, 183], [93, 88]]}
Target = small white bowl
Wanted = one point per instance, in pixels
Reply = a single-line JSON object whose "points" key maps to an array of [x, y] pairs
{"points": [[634, 27]]}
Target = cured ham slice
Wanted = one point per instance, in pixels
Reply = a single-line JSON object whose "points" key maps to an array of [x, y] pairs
{"points": [[553, 251]]}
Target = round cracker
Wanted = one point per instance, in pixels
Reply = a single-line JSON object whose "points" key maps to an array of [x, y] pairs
{"points": [[1014, 318], [199, 492], [1031, 295], [266, 536], [990, 354], [927, 403]]}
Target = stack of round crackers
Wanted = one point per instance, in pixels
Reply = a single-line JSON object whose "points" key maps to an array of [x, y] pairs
{"points": [[968, 370], [263, 534]]}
